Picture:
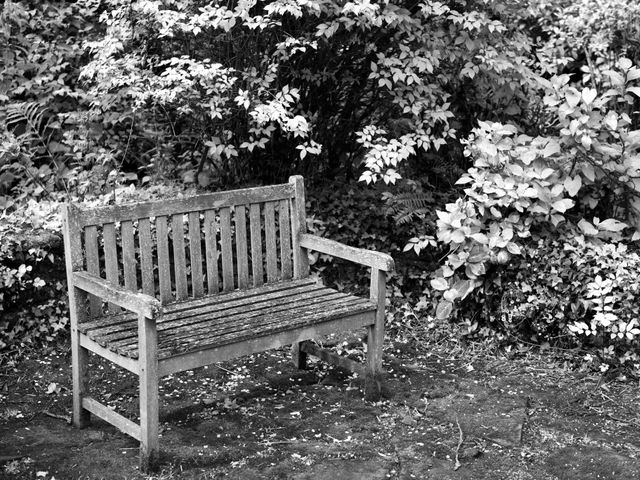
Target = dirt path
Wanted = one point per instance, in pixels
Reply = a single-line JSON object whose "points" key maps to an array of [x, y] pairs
{"points": [[258, 418]]}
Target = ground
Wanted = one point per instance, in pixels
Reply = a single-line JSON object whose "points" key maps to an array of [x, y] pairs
{"points": [[445, 413]]}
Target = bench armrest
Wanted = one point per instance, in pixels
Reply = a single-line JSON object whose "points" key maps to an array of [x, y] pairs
{"points": [[370, 258], [139, 303]]}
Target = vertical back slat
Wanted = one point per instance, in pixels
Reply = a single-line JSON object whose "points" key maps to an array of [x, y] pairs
{"points": [[270, 239], [211, 251], [256, 245], [179, 260], [241, 246], [164, 267], [146, 256], [298, 226], [227, 254], [285, 239], [195, 251], [111, 258], [93, 265], [129, 256]]}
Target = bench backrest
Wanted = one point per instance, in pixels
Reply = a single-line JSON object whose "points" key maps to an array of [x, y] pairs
{"points": [[189, 247]]}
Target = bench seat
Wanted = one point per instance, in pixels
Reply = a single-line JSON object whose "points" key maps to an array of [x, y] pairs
{"points": [[234, 317]]}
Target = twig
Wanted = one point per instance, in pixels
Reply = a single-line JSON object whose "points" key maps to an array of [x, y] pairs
{"points": [[460, 441], [66, 418]]}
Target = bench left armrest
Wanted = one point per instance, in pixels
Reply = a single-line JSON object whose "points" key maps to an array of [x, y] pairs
{"points": [[369, 258], [139, 303]]}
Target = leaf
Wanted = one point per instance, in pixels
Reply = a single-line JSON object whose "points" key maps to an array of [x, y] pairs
{"points": [[572, 96], [563, 205], [444, 309], [634, 90], [462, 288], [589, 95], [551, 148], [612, 225], [573, 185], [587, 227], [589, 173], [624, 63], [439, 284]]}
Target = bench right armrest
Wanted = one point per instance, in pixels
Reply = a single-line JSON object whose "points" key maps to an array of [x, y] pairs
{"points": [[369, 258], [139, 303]]}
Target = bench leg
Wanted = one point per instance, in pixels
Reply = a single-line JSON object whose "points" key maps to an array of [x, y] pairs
{"points": [[298, 357], [79, 360], [149, 412], [375, 337]]}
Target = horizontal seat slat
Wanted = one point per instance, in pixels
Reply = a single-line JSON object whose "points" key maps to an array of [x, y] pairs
{"points": [[188, 317], [208, 326], [227, 318], [267, 326], [177, 307], [175, 206]]}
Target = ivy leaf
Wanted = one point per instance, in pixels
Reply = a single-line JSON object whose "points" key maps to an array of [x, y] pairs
{"points": [[444, 309], [573, 185], [634, 90], [572, 97], [589, 95]]}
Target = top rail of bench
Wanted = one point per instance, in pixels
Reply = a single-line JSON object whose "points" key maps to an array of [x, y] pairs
{"points": [[175, 206]]}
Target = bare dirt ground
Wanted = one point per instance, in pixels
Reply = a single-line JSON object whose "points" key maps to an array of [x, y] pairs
{"points": [[446, 413]]}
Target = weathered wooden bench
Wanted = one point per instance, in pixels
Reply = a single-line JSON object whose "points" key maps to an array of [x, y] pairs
{"points": [[162, 287]]}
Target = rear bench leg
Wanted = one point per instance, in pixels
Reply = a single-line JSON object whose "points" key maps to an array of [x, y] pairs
{"points": [[149, 412], [298, 356]]}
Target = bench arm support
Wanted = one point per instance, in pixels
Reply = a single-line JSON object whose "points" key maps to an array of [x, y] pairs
{"points": [[139, 303], [369, 258]]}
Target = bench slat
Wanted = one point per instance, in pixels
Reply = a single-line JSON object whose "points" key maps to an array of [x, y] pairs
{"points": [[93, 265], [111, 258], [240, 218], [270, 239], [266, 325], [211, 251], [240, 295], [146, 256], [285, 239], [164, 265], [227, 254], [129, 256], [176, 206], [186, 319], [179, 260], [195, 254], [256, 245]]}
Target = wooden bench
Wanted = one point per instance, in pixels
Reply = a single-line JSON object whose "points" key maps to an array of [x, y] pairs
{"points": [[167, 286]]}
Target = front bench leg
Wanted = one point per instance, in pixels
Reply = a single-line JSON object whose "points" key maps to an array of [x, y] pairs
{"points": [[375, 336], [149, 412]]}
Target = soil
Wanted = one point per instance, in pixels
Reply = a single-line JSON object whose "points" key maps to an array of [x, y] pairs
{"points": [[442, 415]]}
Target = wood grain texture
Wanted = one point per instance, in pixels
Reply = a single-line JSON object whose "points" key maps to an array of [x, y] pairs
{"points": [[227, 253], [179, 256], [370, 258], [108, 415], [298, 227], [195, 255], [284, 222], [211, 251], [242, 254], [271, 242], [164, 263], [133, 301], [256, 244], [93, 265], [111, 259], [146, 256], [129, 261], [149, 401], [375, 336], [212, 201]]}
